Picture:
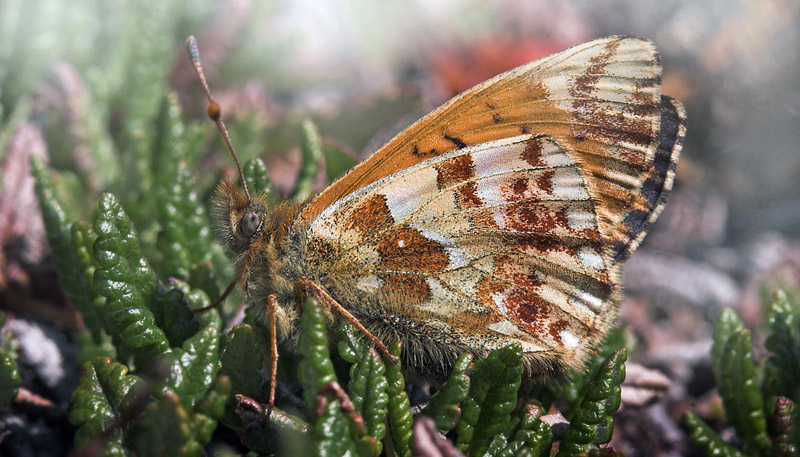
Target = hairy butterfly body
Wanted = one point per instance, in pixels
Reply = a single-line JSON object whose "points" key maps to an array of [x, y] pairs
{"points": [[503, 216]]}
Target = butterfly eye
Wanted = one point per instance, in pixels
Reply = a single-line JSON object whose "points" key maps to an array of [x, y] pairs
{"points": [[249, 224]]}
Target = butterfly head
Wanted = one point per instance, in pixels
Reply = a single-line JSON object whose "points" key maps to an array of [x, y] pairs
{"points": [[241, 220]]}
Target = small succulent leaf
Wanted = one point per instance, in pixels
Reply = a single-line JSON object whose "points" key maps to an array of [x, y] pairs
{"points": [[331, 430], [9, 378], [740, 394], [337, 161], [163, 429], [573, 390], [128, 283], [783, 424], [315, 368], [242, 361], [591, 423], [174, 315], [492, 397], [704, 437], [202, 277], [194, 367], [400, 420], [208, 411], [444, 406], [375, 397], [69, 257], [727, 324], [257, 178], [781, 367], [311, 147], [105, 396]]}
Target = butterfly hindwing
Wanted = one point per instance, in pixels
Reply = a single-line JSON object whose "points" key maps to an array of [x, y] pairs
{"points": [[498, 240]]}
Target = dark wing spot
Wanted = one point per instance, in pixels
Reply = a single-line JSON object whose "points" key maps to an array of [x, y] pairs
{"points": [[456, 141]]}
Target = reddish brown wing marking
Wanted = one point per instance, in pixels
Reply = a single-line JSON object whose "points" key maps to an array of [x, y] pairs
{"points": [[601, 99], [519, 256]]}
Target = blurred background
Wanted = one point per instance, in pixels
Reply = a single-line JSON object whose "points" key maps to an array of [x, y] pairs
{"points": [[72, 72]]}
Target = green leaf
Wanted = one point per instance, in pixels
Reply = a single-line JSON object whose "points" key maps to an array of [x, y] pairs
{"points": [[194, 367], [337, 161], [185, 236], [162, 429], [128, 283], [207, 413], [106, 398], [173, 314], [781, 367], [492, 397], [702, 436], [400, 420], [527, 432], [69, 251], [242, 361], [315, 368], [591, 423], [574, 388], [444, 406], [783, 423], [367, 390], [331, 431], [738, 388], [727, 324], [9, 378], [311, 147], [257, 178]]}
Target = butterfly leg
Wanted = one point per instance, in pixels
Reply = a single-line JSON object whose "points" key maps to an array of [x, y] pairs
{"points": [[322, 294], [272, 303]]}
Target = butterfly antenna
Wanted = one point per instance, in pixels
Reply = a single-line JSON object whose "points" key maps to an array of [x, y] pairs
{"points": [[214, 111]]}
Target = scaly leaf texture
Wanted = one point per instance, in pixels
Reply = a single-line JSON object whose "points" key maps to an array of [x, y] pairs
{"points": [[591, 423], [492, 397], [173, 314], [142, 69], [105, 399], [70, 258], [9, 377], [315, 368], [727, 324], [257, 178], [331, 431], [368, 388], [311, 147], [781, 367], [242, 361], [444, 406], [128, 283], [702, 436], [783, 423], [526, 433], [400, 420], [184, 239], [572, 391], [740, 394], [162, 430], [194, 367], [208, 411]]}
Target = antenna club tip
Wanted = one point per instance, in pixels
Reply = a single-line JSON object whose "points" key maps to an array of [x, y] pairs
{"points": [[214, 111]]}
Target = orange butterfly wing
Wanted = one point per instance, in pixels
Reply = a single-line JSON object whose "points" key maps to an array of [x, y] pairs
{"points": [[602, 99]]}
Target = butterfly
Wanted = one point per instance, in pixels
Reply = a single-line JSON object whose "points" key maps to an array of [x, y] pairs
{"points": [[503, 216]]}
